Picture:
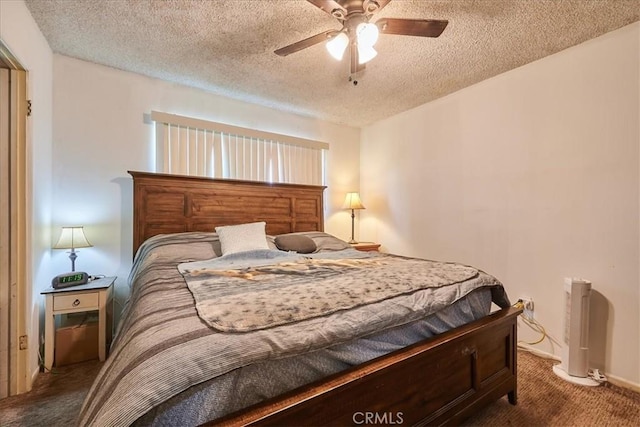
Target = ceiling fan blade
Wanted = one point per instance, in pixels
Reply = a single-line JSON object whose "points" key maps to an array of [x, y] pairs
{"points": [[412, 27], [308, 42], [328, 6]]}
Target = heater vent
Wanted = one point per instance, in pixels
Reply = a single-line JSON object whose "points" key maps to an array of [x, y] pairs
{"points": [[575, 352]]}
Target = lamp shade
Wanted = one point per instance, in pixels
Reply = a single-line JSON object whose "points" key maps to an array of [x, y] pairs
{"points": [[352, 201], [72, 238], [337, 45], [365, 54], [367, 34]]}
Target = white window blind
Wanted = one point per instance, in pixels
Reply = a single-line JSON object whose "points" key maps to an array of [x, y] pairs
{"points": [[189, 146]]}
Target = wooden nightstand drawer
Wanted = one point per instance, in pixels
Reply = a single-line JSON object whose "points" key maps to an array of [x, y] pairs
{"points": [[76, 301]]}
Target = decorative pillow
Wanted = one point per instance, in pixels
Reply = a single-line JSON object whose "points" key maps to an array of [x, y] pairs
{"points": [[295, 242], [217, 247], [243, 237], [323, 241], [327, 242]]}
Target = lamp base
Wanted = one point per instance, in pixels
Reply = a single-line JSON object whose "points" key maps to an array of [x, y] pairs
{"points": [[353, 218], [72, 257]]}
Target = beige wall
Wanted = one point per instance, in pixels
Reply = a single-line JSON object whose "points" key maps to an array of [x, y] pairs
{"points": [[100, 133], [533, 176], [22, 36]]}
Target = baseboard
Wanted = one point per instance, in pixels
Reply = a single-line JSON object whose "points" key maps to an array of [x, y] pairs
{"points": [[620, 382], [538, 352]]}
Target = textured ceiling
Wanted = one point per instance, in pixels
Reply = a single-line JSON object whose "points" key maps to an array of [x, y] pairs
{"points": [[226, 47]]}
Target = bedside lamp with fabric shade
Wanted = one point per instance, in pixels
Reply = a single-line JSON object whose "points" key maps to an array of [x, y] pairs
{"points": [[72, 238], [353, 202]]}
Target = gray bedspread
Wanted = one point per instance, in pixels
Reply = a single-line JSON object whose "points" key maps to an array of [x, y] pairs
{"points": [[163, 348]]}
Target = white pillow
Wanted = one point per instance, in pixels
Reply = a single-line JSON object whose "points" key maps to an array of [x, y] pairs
{"points": [[243, 237]]}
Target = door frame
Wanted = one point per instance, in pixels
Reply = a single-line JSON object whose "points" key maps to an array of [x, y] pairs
{"points": [[15, 295]]}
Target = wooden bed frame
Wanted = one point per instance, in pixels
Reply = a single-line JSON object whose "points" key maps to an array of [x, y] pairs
{"points": [[441, 380]]}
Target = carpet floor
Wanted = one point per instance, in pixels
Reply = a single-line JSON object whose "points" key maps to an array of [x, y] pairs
{"points": [[543, 400]]}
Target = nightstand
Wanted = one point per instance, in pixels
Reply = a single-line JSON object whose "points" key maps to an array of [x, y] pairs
{"points": [[366, 246], [96, 295]]}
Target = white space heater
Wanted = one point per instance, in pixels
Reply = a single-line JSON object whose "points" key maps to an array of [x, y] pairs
{"points": [[575, 350]]}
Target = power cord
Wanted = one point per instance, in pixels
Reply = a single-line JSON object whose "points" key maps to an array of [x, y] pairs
{"points": [[536, 326], [533, 324], [41, 363]]}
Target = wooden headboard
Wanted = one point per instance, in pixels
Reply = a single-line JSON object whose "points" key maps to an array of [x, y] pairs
{"points": [[165, 203]]}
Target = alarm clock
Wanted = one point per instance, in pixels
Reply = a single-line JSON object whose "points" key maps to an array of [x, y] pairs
{"points": [[69, 279]]}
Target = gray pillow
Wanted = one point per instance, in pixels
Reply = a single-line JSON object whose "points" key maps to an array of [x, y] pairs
{"points": [[295, 242], [326, 242]]}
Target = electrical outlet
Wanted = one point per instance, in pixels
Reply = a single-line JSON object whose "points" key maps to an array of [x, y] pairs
{"points": [[527, 313]]}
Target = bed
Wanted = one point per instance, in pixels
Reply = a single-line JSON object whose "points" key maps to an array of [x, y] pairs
{"points": [[432, 367]]}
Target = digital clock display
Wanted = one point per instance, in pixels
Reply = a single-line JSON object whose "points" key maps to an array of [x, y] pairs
{"points": [[70, 279]]}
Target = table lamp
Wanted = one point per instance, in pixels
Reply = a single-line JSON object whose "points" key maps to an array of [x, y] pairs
{"points": [[353, 202], [72, 238]]}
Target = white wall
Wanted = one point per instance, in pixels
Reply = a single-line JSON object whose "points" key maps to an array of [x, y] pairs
{"points": [[532, 176], [100, 133], [22, 36]]}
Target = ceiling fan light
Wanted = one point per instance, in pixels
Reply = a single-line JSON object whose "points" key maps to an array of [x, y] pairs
{"points": [[337, 45], [367, 34], [366, 53]]}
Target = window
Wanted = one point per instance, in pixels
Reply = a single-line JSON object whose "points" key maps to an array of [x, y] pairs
{"points": [[188, 146]]}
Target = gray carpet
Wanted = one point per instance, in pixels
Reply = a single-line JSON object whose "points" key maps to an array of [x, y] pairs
{"points": [[543, 400], [54, 400]]}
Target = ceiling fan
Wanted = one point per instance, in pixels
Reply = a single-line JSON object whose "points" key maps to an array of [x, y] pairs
{"points": [[358, 34]]}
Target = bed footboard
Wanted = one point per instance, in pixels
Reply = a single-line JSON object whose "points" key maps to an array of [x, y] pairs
{"points": [[442, 380]]}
